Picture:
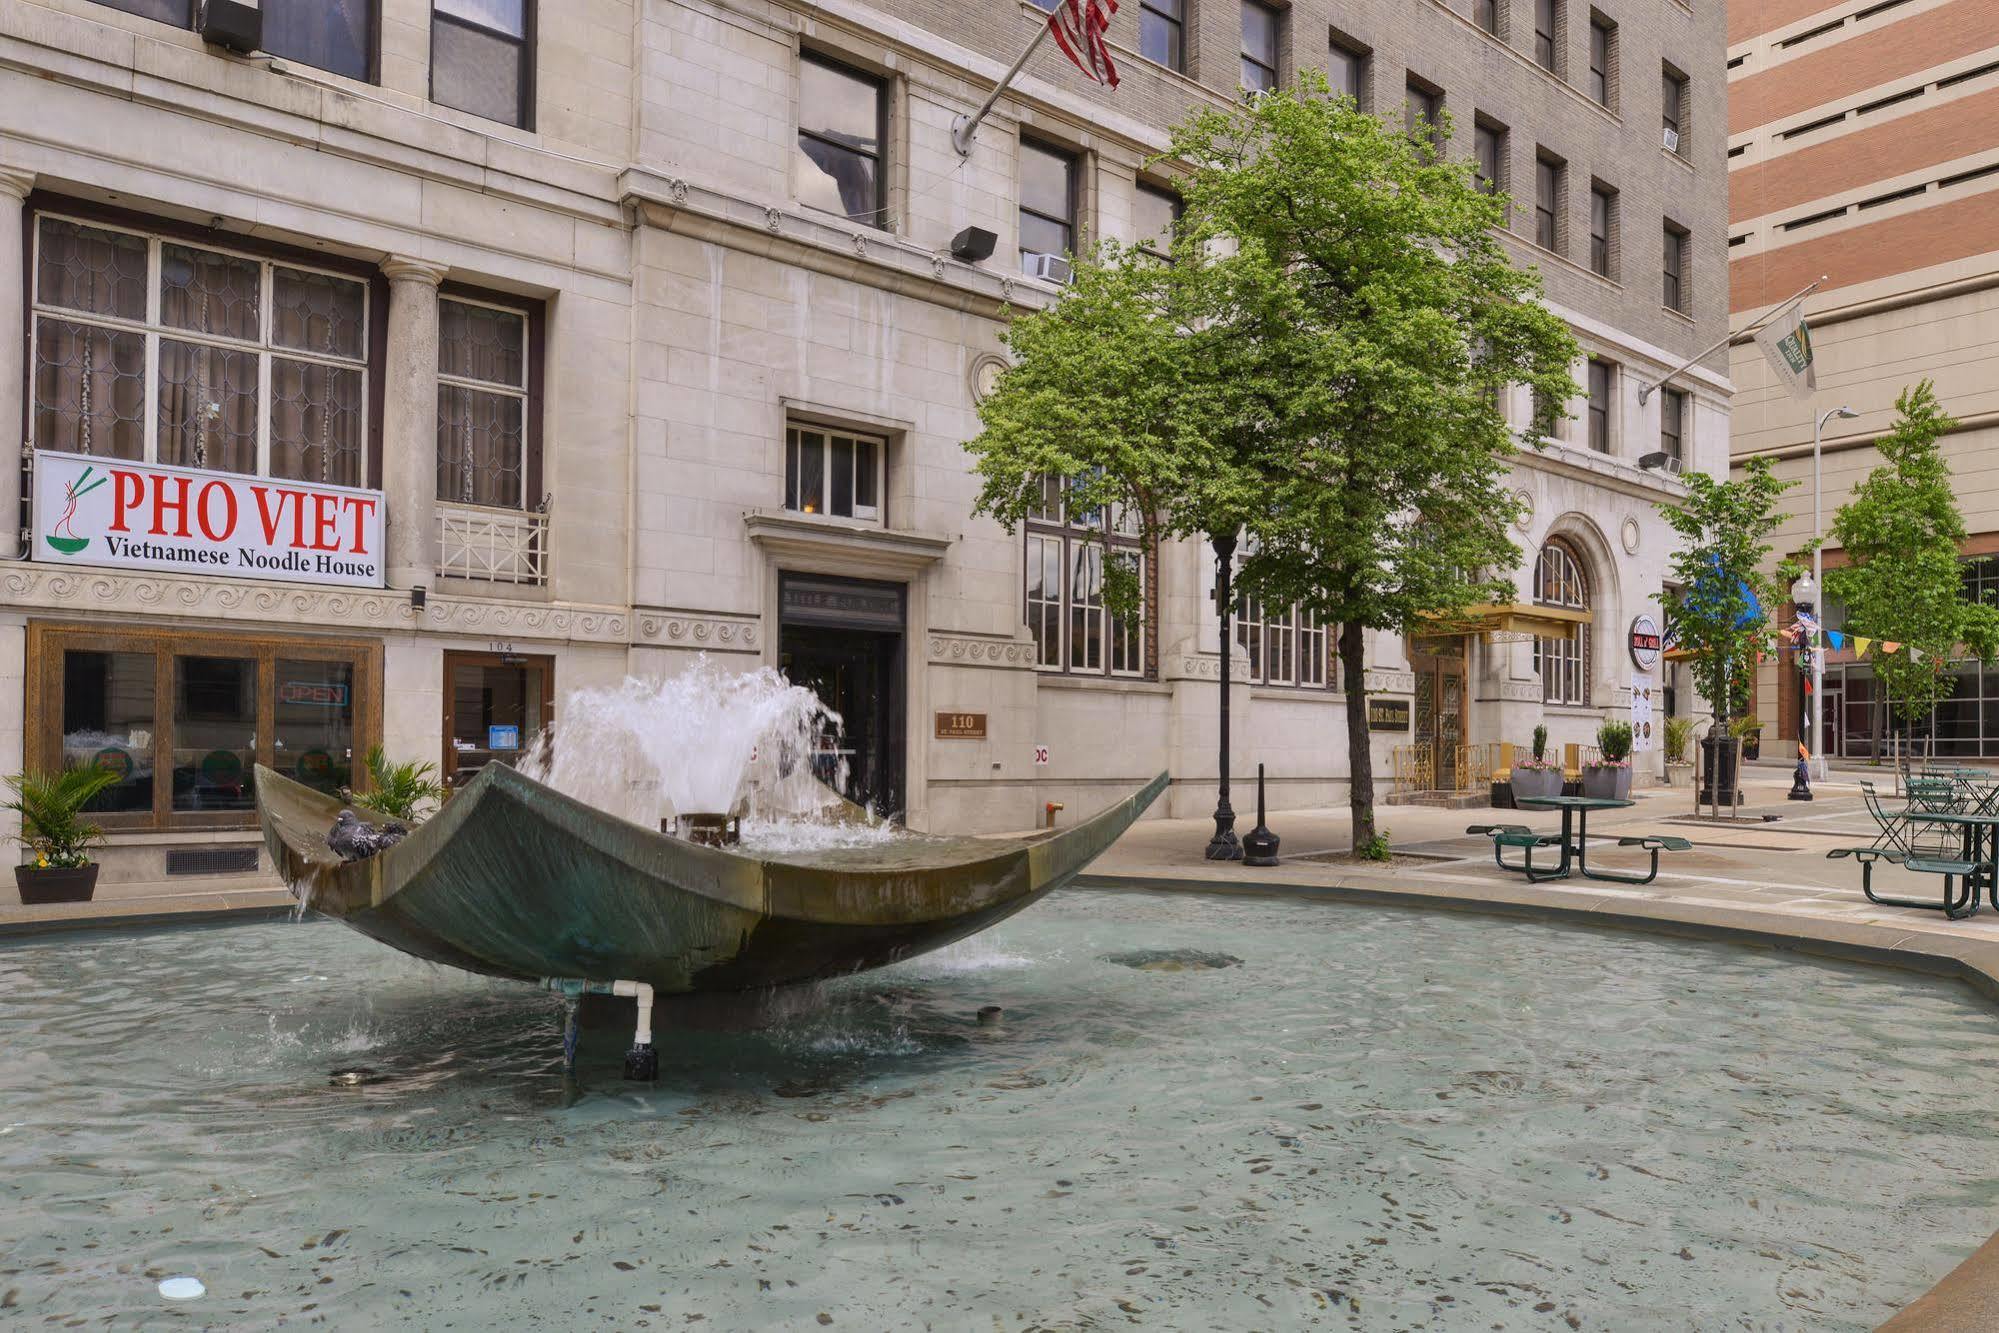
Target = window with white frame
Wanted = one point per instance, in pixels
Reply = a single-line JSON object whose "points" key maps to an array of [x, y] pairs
{"points": [[484, 455], [150, 348], [1073, 630], [1563, 662], [830, 471]]}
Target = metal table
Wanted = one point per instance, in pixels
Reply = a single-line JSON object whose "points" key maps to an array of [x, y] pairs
{"points": [[1981, 848], [1576, 810]]}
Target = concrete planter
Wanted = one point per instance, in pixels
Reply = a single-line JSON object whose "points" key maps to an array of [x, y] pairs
{"points": [[1679, 774], [1536, 783], [1607, 783]]}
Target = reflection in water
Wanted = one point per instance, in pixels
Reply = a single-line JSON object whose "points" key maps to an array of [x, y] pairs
{"points": [[1381, 1120]]}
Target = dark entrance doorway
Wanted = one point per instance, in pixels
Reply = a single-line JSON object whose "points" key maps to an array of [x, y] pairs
{"points": [[843, 640], [494, 705]]}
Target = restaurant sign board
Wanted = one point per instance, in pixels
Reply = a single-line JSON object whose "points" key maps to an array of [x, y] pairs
{"points": [[143, 516]]}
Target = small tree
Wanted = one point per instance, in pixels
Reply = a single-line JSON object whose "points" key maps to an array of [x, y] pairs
{"points": [[1901, 531], [1317, 368], [1717, 610]]}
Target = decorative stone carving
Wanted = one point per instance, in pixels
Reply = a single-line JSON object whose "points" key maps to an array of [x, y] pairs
{"points": [[1005, 654], [860, 245], [1386, 681], [1525, 519], [676, 189], [41, 589], [773, 219], [1006, 289], [693, 630], [986, 371], [936, 266], [1630, 534]]}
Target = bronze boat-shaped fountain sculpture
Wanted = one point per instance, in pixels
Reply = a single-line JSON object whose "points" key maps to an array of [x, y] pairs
{"points": [[514, 879]]}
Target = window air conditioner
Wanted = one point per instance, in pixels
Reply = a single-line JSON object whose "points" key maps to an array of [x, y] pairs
{"points": [[1672, 141], [1048, 268]]}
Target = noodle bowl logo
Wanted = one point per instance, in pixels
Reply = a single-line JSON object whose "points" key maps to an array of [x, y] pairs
{"points": [[62, 536]]}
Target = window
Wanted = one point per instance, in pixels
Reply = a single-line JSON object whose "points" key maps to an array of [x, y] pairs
{"points": [[1047, 202], [1601, 377], [833, 472], [334, 35], [184, 718], [1285, 646], [485, 418], [1602, 228], [1346, 72], [841, 118], [1672, 424], [1489, 148], [1259, 46], [1546, 47], [1423, 113], [1674, 293], [149, 348], [1549, 186], [482, 58], [1155, 215], [1161, 32], [1602, 60], [1563, 662], [1485, 13], [1672, 109], [1073, 630]]}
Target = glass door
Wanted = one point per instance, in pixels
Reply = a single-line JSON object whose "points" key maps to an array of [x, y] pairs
{"points": [[494, 706]]}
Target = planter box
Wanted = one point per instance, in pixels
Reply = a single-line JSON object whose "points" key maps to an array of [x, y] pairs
{"points": [[1536, 783], [51, 884], [1607, 784], [1677, 774]]}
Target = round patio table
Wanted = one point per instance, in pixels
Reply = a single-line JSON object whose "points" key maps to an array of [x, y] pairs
{"points": [[1574, 858]]}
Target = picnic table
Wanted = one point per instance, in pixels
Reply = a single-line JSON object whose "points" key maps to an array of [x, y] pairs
{"points": [[1976, 866], [1572, 842]]}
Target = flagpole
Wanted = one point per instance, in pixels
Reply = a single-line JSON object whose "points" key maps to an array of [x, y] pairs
{"points": [[1646, 391], [964, 127]]}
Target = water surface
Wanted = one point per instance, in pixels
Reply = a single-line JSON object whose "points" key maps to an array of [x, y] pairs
{"points": [[1264, 1114]]}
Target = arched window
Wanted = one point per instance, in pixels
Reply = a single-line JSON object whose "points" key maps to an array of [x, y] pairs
{"points": [[1563, 663]]}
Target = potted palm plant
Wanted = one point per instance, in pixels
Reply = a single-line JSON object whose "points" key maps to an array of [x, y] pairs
{"points": [[1608, 776], [408, 792], [1679, 734], [1537, 776], [56, 834]]}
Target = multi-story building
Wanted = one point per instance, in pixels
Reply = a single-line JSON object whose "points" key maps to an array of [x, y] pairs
{"points": [[1864, 152], [444, 357]]}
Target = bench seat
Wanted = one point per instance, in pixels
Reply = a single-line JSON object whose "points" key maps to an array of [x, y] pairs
{"points": [[1527, 838], [1490, 829], [1657, 842], [1867, 855]]}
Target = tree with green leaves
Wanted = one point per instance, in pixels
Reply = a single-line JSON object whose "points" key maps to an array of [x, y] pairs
{"points": [[1316, 369], [1717, 610], [1904, 582]]}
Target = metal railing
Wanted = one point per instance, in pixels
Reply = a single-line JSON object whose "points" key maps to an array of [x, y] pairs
{"points": [[1474, 768], [492, 545]]}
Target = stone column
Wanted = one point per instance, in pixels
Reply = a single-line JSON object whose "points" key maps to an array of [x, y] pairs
{"points": [[14, 187], [409, 420]]}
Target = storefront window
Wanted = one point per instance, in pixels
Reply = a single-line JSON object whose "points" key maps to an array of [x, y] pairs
{"points": [[314, 710], [300, 706], [107, 722]]}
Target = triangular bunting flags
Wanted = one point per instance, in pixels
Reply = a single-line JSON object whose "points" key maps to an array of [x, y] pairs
{"points": [[1915, 654], [1890, 647], [1861, 645], [1836, 639]]}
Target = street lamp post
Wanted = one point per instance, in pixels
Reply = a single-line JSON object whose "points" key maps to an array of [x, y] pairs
{"points": [[1819, 768], [1224, 846]]}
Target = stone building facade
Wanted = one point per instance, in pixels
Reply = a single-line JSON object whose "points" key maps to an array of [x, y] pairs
{"points": [[1864, 151], [637, 323]]}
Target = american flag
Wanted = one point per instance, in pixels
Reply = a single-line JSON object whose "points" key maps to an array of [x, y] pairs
{"points": [[1079, 27]]}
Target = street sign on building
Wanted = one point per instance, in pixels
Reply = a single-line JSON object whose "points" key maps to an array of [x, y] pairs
{"points": [[114, 514]]}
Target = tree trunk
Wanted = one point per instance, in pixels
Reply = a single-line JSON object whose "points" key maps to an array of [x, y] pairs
{"points": [[1360, 756]]}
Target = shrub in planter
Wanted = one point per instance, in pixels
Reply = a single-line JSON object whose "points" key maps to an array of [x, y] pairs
{"points": [[56, 834], [1679, 731], [1608, 777], [1536, 776]]}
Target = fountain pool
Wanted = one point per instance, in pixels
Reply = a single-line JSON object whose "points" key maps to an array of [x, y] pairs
{"points": [[1264, 1113]]}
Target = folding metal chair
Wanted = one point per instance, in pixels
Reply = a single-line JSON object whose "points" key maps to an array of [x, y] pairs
{"points": [[1894, 824]]}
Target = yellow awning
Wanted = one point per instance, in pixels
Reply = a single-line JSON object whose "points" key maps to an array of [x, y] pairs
{"points": [[1546, 622]]}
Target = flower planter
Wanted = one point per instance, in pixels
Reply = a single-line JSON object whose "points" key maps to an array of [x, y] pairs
{"points": [[1678, 772], [1536, 783], [56, 884], [1607, 783]]}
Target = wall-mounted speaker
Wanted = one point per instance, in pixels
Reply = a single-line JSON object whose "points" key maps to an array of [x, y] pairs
{"points": [[237, 25], [974, 244]]}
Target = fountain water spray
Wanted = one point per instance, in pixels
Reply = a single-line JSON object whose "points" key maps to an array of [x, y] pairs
{"points": [[705, 742]]}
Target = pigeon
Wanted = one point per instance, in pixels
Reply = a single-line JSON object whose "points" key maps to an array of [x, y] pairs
{"points": [[352, 840]]}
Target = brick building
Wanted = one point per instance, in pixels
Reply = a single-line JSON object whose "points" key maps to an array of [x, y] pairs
{"points": [[632, 327], [1864, 148]]}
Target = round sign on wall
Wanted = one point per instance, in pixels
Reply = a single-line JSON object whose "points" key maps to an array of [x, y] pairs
{"points": [[1644, 642]]}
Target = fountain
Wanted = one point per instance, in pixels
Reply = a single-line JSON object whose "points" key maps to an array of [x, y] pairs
{"points": [[557, 873]]}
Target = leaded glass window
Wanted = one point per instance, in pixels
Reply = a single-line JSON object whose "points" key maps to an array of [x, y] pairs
{"points": [[1563, 662], [159, 350]]}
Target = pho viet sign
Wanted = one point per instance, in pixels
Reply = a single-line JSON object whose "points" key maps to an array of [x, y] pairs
{"points": [[133, 516]]}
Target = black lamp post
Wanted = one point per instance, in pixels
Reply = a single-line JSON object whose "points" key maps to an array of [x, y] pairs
{"points": [[1224, 846]]}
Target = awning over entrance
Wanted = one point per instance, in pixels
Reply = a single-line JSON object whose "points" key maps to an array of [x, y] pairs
{"points": [[1544, 622]]}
